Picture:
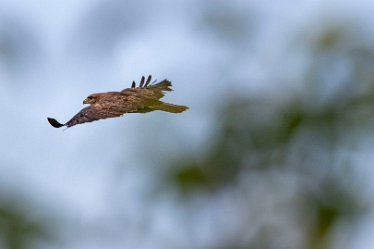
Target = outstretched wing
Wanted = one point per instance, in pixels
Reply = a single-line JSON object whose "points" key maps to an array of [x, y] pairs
{"points": [[92, 113], [148, 95], [87, 114], [111, 105]]}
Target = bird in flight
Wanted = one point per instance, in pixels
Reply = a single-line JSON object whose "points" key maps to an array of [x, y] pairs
{"points": [[138, 99]]}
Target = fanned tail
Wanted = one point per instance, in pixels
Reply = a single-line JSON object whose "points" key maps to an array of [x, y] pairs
{"points": [[166, 107]]}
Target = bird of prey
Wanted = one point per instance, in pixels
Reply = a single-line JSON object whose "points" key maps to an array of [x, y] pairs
{"points": [[138, 99]]}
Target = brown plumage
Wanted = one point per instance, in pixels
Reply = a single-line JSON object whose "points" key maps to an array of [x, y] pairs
{"points": [[142, 99]]}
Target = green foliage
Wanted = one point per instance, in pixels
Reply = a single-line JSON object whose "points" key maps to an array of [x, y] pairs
{"points": [[21, 226], [304, 138]]}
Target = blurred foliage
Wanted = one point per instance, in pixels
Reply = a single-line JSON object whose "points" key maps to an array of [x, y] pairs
{"points": [[291, 139], [334, 200], [21, 227], [303, 137], [244, 144]]}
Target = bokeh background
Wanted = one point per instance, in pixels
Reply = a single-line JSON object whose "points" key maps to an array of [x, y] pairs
{"points": [[276, 150]]}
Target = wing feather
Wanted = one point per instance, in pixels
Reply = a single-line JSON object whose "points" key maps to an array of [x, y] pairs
{"points": [[89, 114], [142, 81], [112, 106], [148, 80], [148, 90]]}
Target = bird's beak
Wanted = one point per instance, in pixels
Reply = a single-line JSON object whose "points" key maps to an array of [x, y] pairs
{"points": [[86, 101]]}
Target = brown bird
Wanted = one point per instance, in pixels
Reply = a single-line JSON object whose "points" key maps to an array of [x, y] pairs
{"points": [[142, 99]]}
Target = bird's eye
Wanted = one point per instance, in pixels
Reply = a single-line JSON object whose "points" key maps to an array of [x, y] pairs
{"points": [[89, 97]]}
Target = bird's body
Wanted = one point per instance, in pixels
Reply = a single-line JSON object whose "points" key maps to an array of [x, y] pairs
{"points": [[142, 99]]}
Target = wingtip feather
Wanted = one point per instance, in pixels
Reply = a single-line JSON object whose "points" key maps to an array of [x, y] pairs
{"points": [[54, 122], [142, 81], [148, 80]]}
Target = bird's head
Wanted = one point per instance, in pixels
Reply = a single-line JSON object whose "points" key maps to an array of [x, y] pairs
{"points": [[91, 99]]}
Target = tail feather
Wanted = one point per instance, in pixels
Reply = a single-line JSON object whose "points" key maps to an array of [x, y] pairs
{"points": [[166, 107]]}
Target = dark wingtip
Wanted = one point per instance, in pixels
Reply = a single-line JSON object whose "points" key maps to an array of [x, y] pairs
{"points": [[148, 80], [142, 82], [54, 123]]}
